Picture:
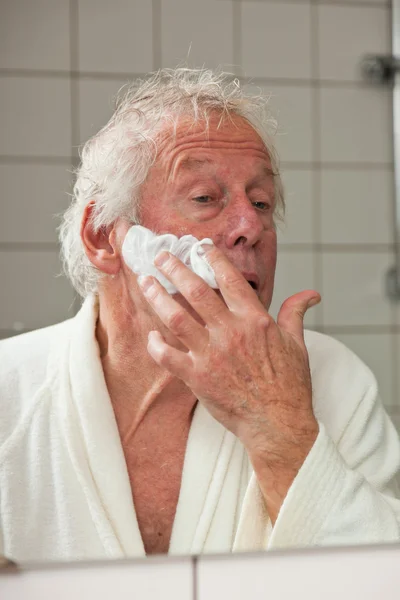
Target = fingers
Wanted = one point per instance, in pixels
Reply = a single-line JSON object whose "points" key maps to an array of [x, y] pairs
{"points": [[234, 288], [193, 288], [193, 335], [291, 314], [176, 362]]}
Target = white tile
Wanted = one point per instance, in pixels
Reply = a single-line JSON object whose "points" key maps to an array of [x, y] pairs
{"points": [[291, 106], [376, 351], [96, 104], [276, 40], [353, 289], [35, 117], [32, 295], [294, 273], [299, 218], [34, 35], [362, 31], [357, 206], [115, 37], [151, 578], [380, 2], [356, 125], [197, 33], [30, 198], [369, 574]]}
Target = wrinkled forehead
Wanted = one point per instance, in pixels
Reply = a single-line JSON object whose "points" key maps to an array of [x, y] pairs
{"points": [[218, 132]]}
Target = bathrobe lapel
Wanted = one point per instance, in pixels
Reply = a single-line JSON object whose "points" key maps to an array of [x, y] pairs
{"points": [[93, 439], [208, 456]]}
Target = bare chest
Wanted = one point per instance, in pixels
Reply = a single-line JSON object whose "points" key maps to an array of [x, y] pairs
{"points": [[156, 482]]}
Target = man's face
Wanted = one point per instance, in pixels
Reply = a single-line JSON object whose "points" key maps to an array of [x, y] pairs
{"points": [[217, 185]]}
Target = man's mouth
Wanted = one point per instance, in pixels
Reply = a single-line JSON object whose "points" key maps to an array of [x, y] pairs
{"points": [[252, 279]]}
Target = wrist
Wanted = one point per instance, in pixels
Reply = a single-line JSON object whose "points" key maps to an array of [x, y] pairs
{"points": [[281, 445], [277, 461]]}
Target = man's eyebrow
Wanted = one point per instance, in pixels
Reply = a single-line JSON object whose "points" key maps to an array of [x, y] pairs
{"points": [[194, 164]]}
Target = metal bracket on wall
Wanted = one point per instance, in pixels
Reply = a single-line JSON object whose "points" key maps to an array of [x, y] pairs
{"points": [[385, 70], [380, 69]]}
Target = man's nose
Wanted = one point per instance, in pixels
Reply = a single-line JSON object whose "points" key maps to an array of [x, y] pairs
{"points": [[244, 223]]}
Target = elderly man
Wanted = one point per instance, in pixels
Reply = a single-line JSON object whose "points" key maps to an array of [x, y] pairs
{"points": [[186, 422]]}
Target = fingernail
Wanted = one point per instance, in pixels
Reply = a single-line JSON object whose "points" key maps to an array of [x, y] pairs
{"points": [[203, 249], [161, 258], [145, 282]]}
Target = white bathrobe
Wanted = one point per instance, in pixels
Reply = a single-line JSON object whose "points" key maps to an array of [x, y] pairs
{"points": [[64, 486]]}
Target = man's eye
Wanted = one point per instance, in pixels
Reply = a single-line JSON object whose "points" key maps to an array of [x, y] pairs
{"points": [[202, 199], [262, 205]]}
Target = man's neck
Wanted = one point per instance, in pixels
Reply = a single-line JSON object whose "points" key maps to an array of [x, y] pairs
{"points": [[142, 393]]}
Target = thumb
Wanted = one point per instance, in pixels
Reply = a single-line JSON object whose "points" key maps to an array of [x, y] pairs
{"points": [[291, 314]]}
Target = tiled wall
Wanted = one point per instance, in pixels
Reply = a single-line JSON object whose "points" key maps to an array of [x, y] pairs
{"points": [[62, 60]]}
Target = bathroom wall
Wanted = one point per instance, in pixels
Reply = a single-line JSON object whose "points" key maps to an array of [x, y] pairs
{"points": [[61, 61]]}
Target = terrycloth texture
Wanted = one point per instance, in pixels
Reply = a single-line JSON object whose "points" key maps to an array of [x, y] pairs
{"points": [[141, 246], [64, 487]]}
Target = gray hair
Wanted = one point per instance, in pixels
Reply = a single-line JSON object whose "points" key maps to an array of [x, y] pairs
{"points": [[115, 162]]}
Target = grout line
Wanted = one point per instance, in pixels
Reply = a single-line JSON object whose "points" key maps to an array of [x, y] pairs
{"points": [[69, 74], [335, 248], [195, 578], [313, 82], [282, 248], [75, 103], [75, 99], [395, 357], [316, 151], [276, 1], [75, 96], [118, 75], [237, 38], [156, 31], [314, 46], [340, 166], [345, 4], [44, 73], [74, 48], [73, 36], [29, 247], [37, 160], [289, 165], [342, 3], [358, 329]]}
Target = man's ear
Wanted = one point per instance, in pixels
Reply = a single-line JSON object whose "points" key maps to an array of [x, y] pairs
{"points": [[100, 246]]}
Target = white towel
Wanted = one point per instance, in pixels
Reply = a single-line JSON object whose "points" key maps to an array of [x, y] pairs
{"points": [[141, 246]]}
